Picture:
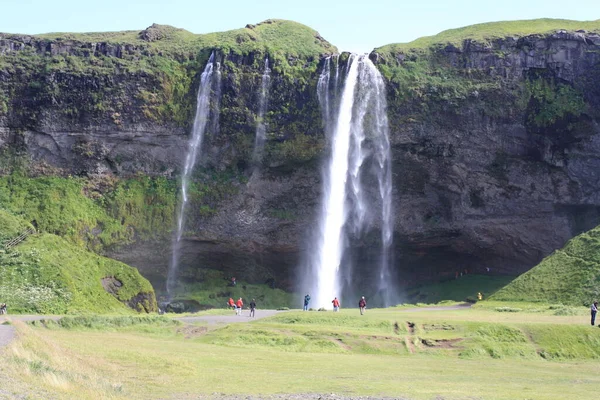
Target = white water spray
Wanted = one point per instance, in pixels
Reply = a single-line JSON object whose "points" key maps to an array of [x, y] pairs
{"points": [[333, 214], [361, 119], [261, 127], [195, 144]]}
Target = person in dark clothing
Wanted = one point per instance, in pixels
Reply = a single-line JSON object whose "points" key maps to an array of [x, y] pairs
{"points": [[594, 310], [252, 308], [306, 301], [362, 304]]}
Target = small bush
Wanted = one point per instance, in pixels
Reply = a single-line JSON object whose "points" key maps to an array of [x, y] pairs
{"points": [[508, 309]]}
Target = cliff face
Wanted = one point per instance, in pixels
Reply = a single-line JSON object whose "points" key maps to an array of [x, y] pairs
{"points": [[495, 147]]}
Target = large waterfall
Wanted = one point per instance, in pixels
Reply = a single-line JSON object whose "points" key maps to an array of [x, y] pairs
{"points": [[359, 137], [210, 78], [261, 127]]}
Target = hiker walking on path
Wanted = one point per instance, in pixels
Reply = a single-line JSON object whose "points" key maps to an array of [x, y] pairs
{"points": [[231, 303], [306, 301], [362, 304], [3, 308], [240, 305], [336, 304], [594, 310], [252, 308]]}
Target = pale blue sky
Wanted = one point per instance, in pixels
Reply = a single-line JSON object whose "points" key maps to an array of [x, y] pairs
{"points": [[351, 25]]}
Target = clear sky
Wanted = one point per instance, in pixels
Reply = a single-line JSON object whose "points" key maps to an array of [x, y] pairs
{"points": [[350, 25]]}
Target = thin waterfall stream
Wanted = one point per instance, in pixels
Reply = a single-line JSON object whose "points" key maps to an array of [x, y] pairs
{"points": [[261, 126], [201, 119]]}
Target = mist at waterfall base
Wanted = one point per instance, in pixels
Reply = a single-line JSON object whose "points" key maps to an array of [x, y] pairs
{"points": [[346, 258], [209, 83]]}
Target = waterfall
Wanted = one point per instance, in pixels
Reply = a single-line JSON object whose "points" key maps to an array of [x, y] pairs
{"points": [[380, 128], [261, 127], [333, 214], [360, 136], [195, 144], [323, 94]]}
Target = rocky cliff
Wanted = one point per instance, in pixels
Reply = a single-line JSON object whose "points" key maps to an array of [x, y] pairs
{"points": [[495, 142]]}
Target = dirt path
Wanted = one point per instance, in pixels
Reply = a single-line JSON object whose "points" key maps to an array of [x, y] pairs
{"points": [[7, 332]]}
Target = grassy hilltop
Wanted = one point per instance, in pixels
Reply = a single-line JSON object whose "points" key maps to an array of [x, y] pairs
{"points": [[486, 32]]}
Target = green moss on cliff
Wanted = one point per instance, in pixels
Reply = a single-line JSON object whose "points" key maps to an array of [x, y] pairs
{"points": [[551, 102], [570, 275]]}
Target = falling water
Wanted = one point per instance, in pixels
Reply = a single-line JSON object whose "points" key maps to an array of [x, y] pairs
{"points": [[360, 134], [380, 128], [323, 93], [333, 214], [261, 127], [194, 146]]}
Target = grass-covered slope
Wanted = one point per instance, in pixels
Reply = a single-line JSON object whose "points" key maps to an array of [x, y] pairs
{"points": [[11, 226], [273, 35], [47, 274], [570, 275], [483, 33]]}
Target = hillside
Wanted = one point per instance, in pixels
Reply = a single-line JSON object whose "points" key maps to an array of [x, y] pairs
{"points": [[47, 274], [570, 275], [486, 32]]}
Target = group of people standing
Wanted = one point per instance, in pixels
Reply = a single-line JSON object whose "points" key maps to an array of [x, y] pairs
{"points": [[238, 306], [362, 304]]}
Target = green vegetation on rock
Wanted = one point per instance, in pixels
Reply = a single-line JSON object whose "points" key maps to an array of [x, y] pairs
{"points": [[47, 274], [570, 275]]}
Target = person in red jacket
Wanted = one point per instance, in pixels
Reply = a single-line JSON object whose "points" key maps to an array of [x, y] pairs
{"points": [[231, 304], [336, 304], [240, 305]]}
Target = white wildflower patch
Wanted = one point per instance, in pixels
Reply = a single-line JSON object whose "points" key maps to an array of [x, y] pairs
{"points": [[42, 299]]}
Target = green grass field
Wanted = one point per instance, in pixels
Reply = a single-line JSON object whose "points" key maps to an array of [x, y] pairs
{"points": [[478, 353]]}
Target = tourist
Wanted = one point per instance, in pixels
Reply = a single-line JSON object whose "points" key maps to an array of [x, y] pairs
{"points": [[594, 311], [240, 305], [231, 304], [336, 304], [306, 301], [252, 308], [362, 304], [233, 281], [3, 308]]}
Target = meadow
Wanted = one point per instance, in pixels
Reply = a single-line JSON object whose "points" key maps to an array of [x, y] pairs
{"points": [[494, 350]]}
